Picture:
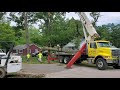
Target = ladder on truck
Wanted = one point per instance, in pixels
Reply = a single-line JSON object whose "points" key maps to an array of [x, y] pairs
{"points": [[92, 34]]}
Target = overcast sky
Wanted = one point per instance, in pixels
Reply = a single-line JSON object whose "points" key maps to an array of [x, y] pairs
{"points": [[107, 17]]}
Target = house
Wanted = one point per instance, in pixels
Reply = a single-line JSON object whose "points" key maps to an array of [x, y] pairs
{"points": [[22, 49], [70, 46]]}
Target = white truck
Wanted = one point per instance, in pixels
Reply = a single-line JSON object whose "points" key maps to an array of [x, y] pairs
{"points": [[2, 53], [9, 63]]}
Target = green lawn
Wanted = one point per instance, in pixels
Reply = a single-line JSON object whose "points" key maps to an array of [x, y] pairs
{"points": [[34, 60]]}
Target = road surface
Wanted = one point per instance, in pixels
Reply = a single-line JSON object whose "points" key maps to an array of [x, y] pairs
{"points": [[86, 72], [77, 71]]}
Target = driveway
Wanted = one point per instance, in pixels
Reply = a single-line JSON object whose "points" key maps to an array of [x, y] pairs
{"points": [[77, 71], [86, 71]]}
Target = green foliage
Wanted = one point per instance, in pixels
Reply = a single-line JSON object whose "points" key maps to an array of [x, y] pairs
{"points": [[110, 32], [18, 18], [35, 35], [53, 30], [6, 32], [48, 18], [115, 35], [2, 14], [103, 31], [62, 31], [21, 39]]}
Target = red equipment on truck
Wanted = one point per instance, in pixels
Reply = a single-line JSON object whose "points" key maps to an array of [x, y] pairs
{"points": [[87, 26]]}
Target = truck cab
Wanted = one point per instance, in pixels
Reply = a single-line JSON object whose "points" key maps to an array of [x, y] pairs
{"points": [[105, 51]]}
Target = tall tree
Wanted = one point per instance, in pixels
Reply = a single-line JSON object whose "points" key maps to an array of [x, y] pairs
{"points": [[6, 32], [115, 34], [2, 14], [63, 31], [95, 16], [48, 18], [18, 18], [35, 36], [26, 30]]}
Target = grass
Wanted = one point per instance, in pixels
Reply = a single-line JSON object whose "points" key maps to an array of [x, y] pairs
{"points": [[34, 60]]}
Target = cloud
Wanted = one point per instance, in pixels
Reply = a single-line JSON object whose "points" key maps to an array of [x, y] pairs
{"points": [[72, 14], [107, 17]]}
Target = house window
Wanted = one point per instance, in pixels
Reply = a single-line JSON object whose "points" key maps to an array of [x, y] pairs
{"points": [[20, 51], [30, 50], [36, 50]]}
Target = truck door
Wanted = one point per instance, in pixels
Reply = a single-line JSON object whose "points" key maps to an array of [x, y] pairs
{"points": [[14, 64], [92, 49]]}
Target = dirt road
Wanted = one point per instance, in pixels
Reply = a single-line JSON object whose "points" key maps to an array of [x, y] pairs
{"points": [[77, 71], [86, 71], [43, 68], [36, 70]]}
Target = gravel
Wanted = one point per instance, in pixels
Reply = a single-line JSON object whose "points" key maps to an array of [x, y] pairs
{"points": [[59, 71]]}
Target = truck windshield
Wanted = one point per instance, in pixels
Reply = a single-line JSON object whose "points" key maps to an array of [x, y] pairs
{"points": [[104, 44]]}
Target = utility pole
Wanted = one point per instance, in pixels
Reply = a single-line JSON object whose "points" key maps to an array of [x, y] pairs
{"points": [[26, 31]]}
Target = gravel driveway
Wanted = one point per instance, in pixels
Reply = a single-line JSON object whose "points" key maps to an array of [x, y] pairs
{"points": [[86, 71], [77, 71], [43, 68]]}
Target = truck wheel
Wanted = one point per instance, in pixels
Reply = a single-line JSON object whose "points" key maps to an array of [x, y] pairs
{"points": [[116, 66], [101, 64], [2, 73], [66, 60]]}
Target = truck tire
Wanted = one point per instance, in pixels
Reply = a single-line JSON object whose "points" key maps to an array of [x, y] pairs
{"points": [[101, 64], [116, 66], [2, 73], [66, 60]]}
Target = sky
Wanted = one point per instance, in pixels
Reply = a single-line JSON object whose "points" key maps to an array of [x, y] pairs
{"points": [[106, 17]]}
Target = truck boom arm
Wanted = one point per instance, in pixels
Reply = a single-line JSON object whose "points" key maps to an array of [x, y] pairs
{"points": [[92, 34], [87, 26]]}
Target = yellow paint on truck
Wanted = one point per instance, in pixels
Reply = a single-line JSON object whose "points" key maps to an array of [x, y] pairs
{"points": [[104, 51]]}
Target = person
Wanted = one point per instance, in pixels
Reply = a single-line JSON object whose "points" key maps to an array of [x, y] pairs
{"points": [[28, 57], [40, 56]]}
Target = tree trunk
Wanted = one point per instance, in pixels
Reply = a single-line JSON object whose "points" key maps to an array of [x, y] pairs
{"points": [[26, 29]]}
